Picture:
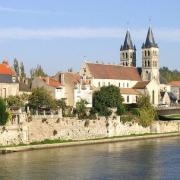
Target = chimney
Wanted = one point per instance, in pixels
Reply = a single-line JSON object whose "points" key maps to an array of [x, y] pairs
{"points": [[47, 80], [61, 78]]}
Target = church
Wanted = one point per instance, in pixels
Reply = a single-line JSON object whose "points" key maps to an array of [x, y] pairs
{"points": [[131, 80]]}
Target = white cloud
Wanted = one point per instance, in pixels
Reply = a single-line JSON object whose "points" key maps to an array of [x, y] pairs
{"points": [[28, 11], [166, 34]]}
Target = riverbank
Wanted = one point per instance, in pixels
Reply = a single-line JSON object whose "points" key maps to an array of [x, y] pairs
{"points": [[5, 150]]}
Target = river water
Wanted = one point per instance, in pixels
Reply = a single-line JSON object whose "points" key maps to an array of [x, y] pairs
{"points": [[145, 159]]}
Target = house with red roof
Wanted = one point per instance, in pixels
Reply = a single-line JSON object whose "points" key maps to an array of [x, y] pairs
{"points": [[55, 88], [8, 84]]}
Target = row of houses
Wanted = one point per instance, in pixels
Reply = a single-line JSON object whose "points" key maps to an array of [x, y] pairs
{"points": [[132, 81]]}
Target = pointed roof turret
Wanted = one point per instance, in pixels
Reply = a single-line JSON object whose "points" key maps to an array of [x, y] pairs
{"points": [[150, 42], [127, 42]]}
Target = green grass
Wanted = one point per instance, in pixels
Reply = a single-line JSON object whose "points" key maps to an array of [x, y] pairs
{"points": [[170, 117]]}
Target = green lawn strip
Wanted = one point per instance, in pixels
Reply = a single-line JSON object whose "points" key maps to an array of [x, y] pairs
{"points": [[170, 117], [57, 141]]}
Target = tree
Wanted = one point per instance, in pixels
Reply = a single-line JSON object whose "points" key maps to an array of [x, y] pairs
{"points": [[14, 102], [146, 111], [38, 71], [41, 98], [81, 108], [23, 74], [4, 114], [16, 66], [106, 98], [61, 104]]}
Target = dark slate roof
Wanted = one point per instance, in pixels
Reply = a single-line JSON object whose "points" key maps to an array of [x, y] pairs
{"points": [[128, 42], [150, 42], [5, 78]]}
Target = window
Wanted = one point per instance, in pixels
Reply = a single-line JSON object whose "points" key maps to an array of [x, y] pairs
{"points": [[126, 64], [127, 84], [109, 83], [145, 64], [127, 99], [153, 100], [104, 83], [119, 84], [148, 53], [99, 84], [148, 63], [145, 53], [126, 55], [123, 84]]}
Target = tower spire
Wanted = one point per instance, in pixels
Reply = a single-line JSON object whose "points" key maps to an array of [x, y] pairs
{"points": [[127, 42], [150, 41]]}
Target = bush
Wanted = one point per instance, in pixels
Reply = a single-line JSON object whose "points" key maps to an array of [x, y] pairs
{"points": [[4, 114]]}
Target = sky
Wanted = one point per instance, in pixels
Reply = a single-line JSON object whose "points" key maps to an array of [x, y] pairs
{"points": [[61, 34]]}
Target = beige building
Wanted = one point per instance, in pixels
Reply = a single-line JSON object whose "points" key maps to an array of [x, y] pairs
{"points": [[69, 80], [175, 89], [8, 84], [55, 88]]}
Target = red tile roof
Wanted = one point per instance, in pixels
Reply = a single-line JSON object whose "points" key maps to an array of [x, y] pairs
{"points": [[141, 85], [51, 81], [107, 71], [129, 91], [5, 69], [174, 83]]}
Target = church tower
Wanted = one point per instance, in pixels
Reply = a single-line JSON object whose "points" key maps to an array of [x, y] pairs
{"points": [[128, 52], [150, 58]]}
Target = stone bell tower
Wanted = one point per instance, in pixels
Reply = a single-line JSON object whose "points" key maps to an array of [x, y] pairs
{"points": [[150, 58], [128, 52]]}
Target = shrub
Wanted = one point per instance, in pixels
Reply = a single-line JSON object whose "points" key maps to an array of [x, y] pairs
{"points": [[4, 114]]}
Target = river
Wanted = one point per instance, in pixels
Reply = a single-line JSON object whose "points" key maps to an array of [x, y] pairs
{"points": [[144, 159]]}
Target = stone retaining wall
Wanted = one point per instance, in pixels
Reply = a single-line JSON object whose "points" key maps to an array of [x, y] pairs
{"points": [[40, 129]]}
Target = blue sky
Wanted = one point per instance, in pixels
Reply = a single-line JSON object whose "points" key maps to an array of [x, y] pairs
{"points": [[59, 34]]}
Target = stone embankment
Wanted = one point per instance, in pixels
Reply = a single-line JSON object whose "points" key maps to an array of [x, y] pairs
{"points": [[41, 128]]}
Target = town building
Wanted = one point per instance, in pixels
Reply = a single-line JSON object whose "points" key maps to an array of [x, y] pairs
{"points": [[175, 89], [55, 88], [8, 84]]}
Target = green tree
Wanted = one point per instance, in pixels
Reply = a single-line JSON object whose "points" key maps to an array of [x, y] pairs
{"points": [[14, 102], [81, 108], [146, 112], [23, 74], [38, 71], [16, 66], [106, 98], [41, 98], [61, 104], [4, 114]]}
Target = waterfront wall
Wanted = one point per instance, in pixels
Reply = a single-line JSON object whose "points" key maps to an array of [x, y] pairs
{"points": [[39, 129]]}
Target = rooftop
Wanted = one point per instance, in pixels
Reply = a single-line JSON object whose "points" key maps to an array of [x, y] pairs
{"points": [[107, 71]]}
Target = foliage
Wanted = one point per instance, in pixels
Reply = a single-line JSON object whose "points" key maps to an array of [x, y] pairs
{"points": [[106, 98], [61, 104], [41, 98], [16, 66], [23, 74], [81, 108], [146, 112], [4, 114], [38, 71], [14, 102], [170, 75]]}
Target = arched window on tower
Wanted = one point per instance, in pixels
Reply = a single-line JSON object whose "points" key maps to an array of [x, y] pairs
{"points": [[145, 64], [126, 55], [126, 63], [148, 53], [145, 53], [148, 64], [123, 55]]}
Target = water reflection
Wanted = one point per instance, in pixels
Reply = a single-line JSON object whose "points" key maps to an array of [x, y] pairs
{"points": [[150, 159]]}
